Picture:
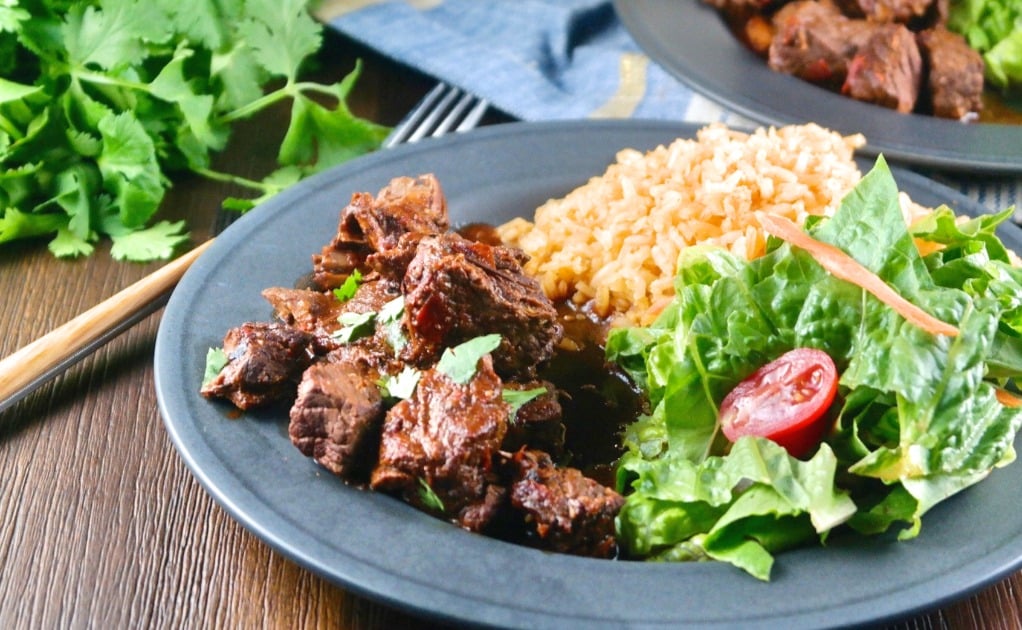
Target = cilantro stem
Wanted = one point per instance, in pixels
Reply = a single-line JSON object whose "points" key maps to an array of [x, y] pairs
{"points": [[10, 129], [103, 79], [228, 178], [289, 90]]}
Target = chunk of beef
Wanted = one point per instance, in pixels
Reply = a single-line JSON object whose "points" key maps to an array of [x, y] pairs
{"points": [[336, 418], [954, 74], [392, 264], [332, 266], [538, 423], [570, 512], [442, 442], [368, 225], [312, 311], [456, 289], [887, 69], [406, 205], [815, 42], [370, 345], [265, 362]]}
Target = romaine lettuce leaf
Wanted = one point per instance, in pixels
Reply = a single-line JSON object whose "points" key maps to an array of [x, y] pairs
{"points": [[994, 28], [919, 419]]}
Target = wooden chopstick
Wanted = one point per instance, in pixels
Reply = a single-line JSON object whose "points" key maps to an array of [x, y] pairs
{"points": [[32, 365]]}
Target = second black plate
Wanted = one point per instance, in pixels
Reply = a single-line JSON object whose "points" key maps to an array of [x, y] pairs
{"points": [[690, 40]]}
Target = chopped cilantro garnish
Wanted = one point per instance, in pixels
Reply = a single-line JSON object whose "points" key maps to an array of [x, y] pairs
{"points": [[459, 363], [390, 317], [355, 326], [429, 497], [518, 397], [216, 359], [401, 385], [347, 290]]}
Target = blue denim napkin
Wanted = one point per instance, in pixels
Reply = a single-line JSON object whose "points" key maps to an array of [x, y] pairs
{"points": [[555, 59], [533, 59]]}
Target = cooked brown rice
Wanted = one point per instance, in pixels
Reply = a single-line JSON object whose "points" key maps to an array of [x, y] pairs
{"points": [[612, 244]]}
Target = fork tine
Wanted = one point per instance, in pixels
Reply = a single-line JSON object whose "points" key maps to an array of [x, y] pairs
{"points": [[471, 120], [444, 108], [454, 114], [413, 119], [435, 116]]}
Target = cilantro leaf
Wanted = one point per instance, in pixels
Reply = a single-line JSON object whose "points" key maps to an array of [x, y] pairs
{"points": [[517, 398], [390, 318], [113, 35], [129, 168], [429, 497], [281, 34], [459, 363], [347, 290], [401, 385], [15, 224], [67, 244], [327, 137], [216, 359], [157, 241], [355, 326]]}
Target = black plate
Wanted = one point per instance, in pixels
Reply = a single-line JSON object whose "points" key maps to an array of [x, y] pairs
{"points": [[379, 547], [691, 41]]}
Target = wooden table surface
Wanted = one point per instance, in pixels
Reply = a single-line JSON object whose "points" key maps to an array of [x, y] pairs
{"points": [[102, 525]]}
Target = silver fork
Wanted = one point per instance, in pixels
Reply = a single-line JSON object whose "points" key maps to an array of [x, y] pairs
{"points": [[444, 109]]}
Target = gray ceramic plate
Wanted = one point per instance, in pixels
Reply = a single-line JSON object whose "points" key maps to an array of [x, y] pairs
{"points": [[690, 40], [381, 548]]}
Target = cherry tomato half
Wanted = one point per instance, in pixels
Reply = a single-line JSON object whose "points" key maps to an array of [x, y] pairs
{"points": [[786, 401]]}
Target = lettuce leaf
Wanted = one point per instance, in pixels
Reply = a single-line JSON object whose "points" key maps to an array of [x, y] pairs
{"points": [[994, 28], [918, 419]]}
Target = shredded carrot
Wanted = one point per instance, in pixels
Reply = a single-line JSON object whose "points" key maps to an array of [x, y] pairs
{"points": [[843, 266], [1007, 398]]}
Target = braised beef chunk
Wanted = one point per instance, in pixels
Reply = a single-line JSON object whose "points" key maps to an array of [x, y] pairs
{"points": [[954, 74], [886, 70], [265, 362], [375, 224], [570, 512], [312, 311], [336, 418], [441, 443], [815, 42], [392, 264], [893, 53], [405, 205], [538, 423], [457, 289]]}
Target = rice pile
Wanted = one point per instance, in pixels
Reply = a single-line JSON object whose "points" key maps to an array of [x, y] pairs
{"points": [[612, 244]]}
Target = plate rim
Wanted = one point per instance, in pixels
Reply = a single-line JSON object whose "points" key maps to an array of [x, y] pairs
{"points": [[425, 600]]}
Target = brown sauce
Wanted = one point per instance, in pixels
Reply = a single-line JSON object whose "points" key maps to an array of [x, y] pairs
{"points": [[598, 399], [998, 108]]}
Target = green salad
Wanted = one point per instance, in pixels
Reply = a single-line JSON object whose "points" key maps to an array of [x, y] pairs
{"points": [[915, 417], [994, 28]]}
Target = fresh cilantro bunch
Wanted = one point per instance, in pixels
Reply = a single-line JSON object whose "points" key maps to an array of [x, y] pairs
{"points": [[101, 102]]}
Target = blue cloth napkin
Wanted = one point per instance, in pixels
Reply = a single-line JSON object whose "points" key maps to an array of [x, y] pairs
{"points": [[533, 59], [555, 59]]}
